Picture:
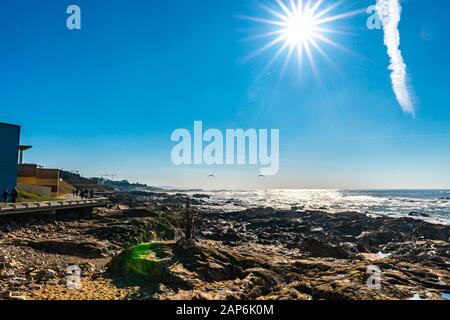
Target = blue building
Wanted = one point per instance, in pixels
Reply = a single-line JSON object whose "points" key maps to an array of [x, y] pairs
{"points": [[9, 152]]}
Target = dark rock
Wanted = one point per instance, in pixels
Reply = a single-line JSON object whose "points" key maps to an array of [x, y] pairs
{"points": [[318, 248], [139, 212], [84, 249], [201, 196], [367, 240], [418, 214]]}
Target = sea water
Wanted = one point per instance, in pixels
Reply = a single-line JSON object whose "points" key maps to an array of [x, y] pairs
{"points": [[429, 205]]}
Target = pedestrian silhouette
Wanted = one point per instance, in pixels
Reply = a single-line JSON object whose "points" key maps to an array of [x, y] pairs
{"points": [[5, 196], [14, 195]]}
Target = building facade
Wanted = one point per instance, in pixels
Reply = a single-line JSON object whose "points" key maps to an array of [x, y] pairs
{"points": [[9, 153], [34, 175]]}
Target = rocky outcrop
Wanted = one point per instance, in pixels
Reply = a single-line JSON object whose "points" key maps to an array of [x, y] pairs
{"points": [[210, 270], [129, 251]]}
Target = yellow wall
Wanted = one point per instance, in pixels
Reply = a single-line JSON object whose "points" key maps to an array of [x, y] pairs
{"points": [[27, 180], [33, 176]]}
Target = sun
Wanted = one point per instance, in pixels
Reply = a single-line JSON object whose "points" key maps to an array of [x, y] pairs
{"points": [[299, 28]]}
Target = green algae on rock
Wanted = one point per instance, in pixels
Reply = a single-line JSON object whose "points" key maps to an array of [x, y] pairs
{"points": [[149, 260]]}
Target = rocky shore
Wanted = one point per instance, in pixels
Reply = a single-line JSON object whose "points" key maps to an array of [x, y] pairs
{"points": [[131, 250]]}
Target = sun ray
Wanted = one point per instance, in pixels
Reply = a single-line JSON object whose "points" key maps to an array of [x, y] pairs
{"points": [[300, 7], [332, 43], [287, 59], [328, 9], [266, 47], [316, 6], [284, 8], [324, 55], [275, 13], [263, 35], [294, 7], [311, 60], [300, 55], [340, 16], [275, 57], [333, 31], [266, 21]]}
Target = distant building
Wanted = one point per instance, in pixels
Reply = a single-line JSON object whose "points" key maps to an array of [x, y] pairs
{"points": [[34, 175], [9, 153]]}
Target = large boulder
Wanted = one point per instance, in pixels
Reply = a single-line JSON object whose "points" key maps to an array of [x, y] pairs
{"points": [[148, 260]]}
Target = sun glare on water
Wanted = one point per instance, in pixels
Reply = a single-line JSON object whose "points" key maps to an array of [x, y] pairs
{"points": [[299, 27]]}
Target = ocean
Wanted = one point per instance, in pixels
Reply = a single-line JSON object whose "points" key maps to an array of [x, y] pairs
{"points": [[429, 205]]}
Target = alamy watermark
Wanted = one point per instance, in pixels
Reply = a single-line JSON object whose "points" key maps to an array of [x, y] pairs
{"points": [[73, 280], [73, 22], [232, 147], [374, 280], [379, 14]]}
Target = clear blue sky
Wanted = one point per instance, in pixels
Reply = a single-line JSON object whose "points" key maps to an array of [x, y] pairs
{"points": [[105, 100]]}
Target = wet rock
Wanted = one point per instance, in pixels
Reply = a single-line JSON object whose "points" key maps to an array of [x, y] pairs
{"points": [[433, 231], [318, 248], [418, 214], [368, 240]]}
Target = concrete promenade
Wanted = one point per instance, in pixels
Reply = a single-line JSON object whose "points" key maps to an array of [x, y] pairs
{"points": [[51, 206]]}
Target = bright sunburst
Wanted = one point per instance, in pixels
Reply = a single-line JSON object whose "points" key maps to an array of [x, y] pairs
{"points": [[299, 27]]}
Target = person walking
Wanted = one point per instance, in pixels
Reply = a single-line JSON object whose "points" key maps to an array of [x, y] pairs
{"points": [[5, 196], [14, 195], [91, 193]]}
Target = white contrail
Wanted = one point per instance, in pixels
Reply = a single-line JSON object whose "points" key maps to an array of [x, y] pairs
{"points": [[389, 12]]}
